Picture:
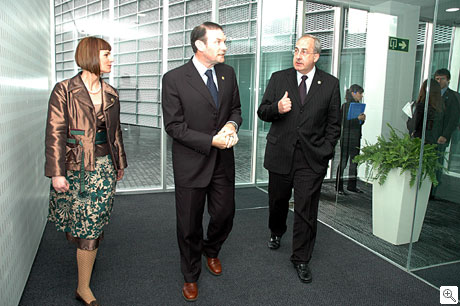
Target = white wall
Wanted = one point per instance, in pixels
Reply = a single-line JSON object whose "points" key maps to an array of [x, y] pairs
{"points": [[25, 82], [455, 62], [389, 75]]}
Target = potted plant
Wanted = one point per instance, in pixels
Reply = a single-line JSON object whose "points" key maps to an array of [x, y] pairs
{"points": [[392, 165]]}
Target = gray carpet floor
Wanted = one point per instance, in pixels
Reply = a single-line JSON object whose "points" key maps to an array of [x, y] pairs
{"points": [[352, 215], [138, 264], [445, 275]]}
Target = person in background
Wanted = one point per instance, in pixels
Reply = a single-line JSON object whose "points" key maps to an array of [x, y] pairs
{"points": [[435, 115], [452, 108], [85, 156], [303, 105], [350, 141], [451, 118]]}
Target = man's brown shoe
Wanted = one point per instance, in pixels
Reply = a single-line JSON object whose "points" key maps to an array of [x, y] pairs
{"points": [[190, 292], [214, 265]]}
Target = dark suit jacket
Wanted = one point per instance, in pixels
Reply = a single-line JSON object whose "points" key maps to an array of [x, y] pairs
{"points": [[352, 126], [191, 119], [451, 113], [316, 123]]}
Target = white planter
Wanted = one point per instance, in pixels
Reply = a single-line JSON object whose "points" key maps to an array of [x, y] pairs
{"points": [[393, 205]]}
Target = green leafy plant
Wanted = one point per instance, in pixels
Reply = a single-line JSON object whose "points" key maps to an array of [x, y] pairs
{"points": [[399, 151]]}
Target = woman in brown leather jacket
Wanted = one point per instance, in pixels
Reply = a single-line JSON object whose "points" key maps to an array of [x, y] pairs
{"points": [[85, 156]]}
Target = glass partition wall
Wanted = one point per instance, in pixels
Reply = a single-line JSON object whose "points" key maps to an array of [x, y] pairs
{"points": [[436, 256], [391, 74], [134, 29], [276, 42], [150, 37]]}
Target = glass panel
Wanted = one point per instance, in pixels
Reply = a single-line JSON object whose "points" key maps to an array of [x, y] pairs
{"points": [[277, 43], [136, 45], [319, 21], [442, 40], [390, 77], [436, 255], [138, 81], [179, 49], [352, 61], [237, 22]]}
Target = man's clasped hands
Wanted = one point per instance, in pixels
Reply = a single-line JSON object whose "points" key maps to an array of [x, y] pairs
{"points": [[226, 137]]}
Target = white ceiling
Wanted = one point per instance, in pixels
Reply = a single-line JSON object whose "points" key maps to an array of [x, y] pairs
{"points": [[426, 8]]}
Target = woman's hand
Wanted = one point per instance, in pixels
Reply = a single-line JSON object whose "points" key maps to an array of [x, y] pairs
{"points": [[120, 174], [60, 183], [362, 117]]}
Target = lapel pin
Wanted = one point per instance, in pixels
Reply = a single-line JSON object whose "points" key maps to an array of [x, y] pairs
{"points": [[319, 82], [112, 100], [223, 78]]}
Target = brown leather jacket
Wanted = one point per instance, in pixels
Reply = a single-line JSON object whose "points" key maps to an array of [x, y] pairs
{"points": [[70, 108]]}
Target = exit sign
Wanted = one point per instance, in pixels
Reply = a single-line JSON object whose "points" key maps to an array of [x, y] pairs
{"points": [[398, 44]]}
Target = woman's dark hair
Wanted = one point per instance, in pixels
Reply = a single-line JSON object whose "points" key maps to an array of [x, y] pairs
{"points": [[435, 99], [199, 33], [353, 88], [87, 53]]}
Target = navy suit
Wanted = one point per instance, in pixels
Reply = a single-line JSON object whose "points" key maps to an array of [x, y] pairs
{"points": [[300, 144], [201, 171]]}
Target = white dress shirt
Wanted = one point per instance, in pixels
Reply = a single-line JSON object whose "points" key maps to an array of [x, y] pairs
{"points": [[202, 70]]}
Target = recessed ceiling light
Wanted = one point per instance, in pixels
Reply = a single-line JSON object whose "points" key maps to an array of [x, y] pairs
{"points": [[453, 9]]}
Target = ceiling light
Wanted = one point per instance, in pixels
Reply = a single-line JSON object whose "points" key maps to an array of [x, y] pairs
{"points": [[453, 9]]}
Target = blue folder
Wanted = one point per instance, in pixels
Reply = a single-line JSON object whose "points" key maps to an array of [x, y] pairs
{"points": [[355, 110]]}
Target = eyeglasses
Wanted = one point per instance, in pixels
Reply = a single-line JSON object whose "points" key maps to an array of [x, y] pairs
{"points": [[303, 52]]}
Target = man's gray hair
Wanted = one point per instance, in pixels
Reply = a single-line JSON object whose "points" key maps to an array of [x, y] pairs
{"points": [[317, 47]]}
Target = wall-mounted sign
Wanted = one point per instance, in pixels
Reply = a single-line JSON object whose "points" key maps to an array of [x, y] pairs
{"points": [[398, 44]]}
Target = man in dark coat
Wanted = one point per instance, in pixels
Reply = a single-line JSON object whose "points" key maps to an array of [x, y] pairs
{"points": [[202, 113], [451, 116], [303, 106]]}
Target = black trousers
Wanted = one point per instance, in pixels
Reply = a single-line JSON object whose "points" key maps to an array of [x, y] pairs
{"points": [[307, 189], [190, 203], [442, 156], [348, 150]]}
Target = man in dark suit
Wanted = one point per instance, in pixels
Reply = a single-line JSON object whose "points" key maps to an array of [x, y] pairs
{"points": [[303, 106], [202, 113], [451, 117]]}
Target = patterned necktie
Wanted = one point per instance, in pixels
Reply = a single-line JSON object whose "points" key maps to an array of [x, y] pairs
{"points": [[212, 86], [303, 89]]}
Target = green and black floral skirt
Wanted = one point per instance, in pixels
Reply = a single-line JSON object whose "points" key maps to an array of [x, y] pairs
{"points": [[84, 215]]}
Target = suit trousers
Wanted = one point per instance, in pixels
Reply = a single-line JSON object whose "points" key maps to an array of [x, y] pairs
{"points": [[442, 156], [307, 189], [190, 203], [349, 148]]}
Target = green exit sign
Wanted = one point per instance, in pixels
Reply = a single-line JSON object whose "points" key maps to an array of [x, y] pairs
{"points": [[398, 44]]}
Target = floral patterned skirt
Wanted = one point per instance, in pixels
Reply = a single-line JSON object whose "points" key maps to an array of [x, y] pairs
{"points": [[85, 215]]}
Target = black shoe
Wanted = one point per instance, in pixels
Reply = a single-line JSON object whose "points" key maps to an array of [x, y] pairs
{"points": [[341, 192], [274, 242], [303, 272], [356, 190]]}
